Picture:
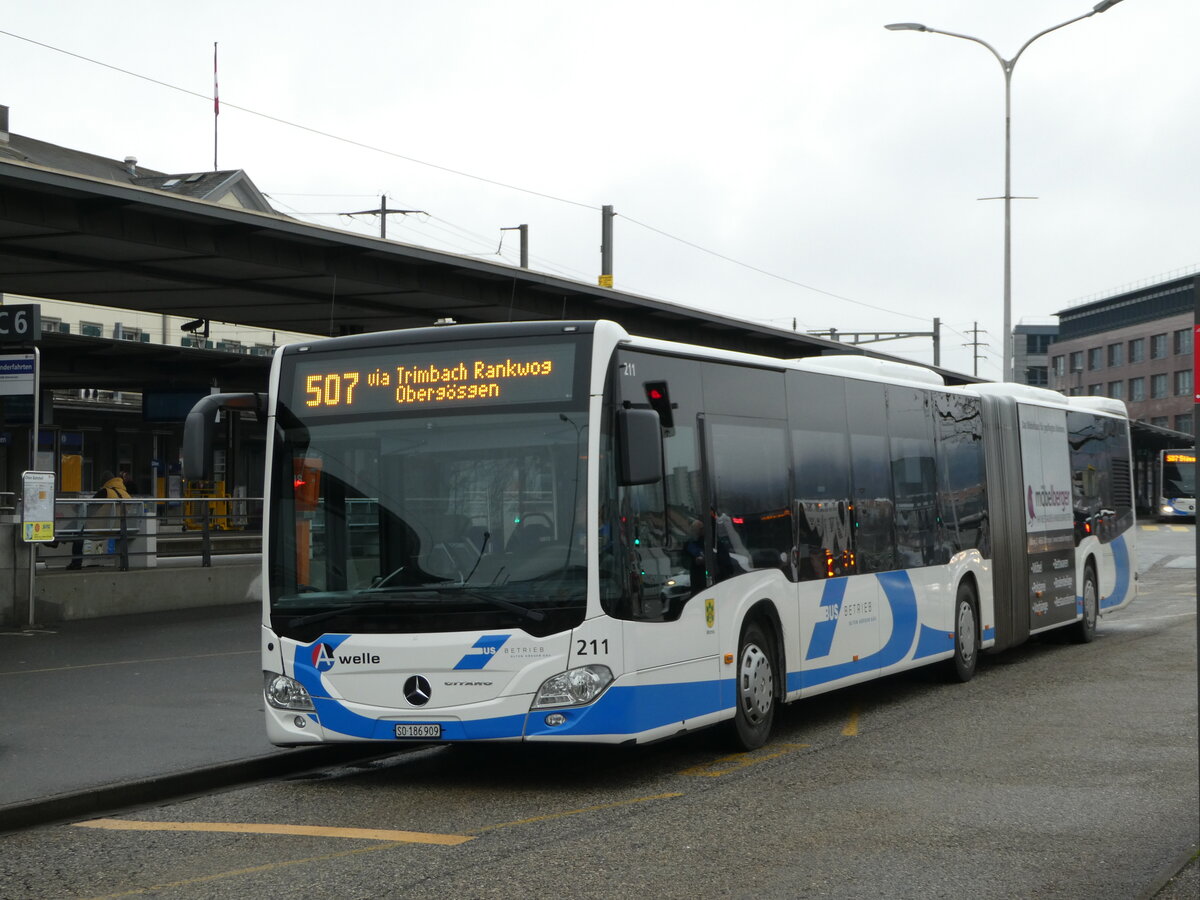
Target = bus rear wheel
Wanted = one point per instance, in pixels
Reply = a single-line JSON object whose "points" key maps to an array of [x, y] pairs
{"points": [[1085, 628], [755, 690], [966, 636]]}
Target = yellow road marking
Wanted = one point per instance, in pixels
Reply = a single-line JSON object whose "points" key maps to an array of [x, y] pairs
{"points": [[851, 729], [738, 761], [339, 832], [362, 834], [574, 812]]}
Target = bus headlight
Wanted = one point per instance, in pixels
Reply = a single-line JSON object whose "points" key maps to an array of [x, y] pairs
{"points": [[1167, 509], [575, 687], [286, 693]]}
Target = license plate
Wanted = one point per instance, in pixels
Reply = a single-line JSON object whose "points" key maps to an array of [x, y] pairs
{"points": [[427, 732]]}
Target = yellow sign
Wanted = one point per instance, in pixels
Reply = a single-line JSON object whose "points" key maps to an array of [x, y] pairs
{"points": [[606, 281], [1180, 458]]}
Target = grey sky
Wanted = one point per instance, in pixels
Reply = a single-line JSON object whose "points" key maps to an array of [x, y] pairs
{"points": [[798, 138]]}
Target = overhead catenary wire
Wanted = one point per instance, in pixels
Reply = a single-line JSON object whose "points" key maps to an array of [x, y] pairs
{"points": [[452, 171]]}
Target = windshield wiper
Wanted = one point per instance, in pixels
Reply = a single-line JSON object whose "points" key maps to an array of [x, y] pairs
{"points": [[330, 614], [531, 614]]}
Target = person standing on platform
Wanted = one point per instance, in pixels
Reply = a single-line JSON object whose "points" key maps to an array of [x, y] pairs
{"points": [[111, 488]]}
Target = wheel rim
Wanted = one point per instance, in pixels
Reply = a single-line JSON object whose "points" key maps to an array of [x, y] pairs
{"points": [[757, 684], [966, 632], [1089, 603]]}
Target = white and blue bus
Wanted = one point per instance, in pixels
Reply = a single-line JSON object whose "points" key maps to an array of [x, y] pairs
{"points": [[558, 531], [1175, 485]]}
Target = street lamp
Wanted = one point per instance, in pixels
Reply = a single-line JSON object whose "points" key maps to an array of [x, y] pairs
{"points": [[1007, 65]]}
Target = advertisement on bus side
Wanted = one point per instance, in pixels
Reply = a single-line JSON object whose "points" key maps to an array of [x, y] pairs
{"points": [[1049, 516]]}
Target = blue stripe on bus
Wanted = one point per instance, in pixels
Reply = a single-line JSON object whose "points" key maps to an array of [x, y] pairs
{"points": [[622, 710], [932, 641], [630, 710], [822, 636], [1120, 552], [898, 589]]}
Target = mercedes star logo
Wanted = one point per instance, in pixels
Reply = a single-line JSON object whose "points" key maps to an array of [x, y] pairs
{"points": [[417, 690]]}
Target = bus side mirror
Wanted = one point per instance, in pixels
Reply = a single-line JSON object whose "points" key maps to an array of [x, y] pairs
{"points": [[639, 446], [198, 430]]}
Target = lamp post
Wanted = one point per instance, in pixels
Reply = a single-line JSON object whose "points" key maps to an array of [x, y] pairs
{"points": [[1007, 65]]}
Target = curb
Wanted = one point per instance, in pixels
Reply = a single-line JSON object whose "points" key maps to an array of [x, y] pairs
{"points": [[90, 803], [1177, 868]]}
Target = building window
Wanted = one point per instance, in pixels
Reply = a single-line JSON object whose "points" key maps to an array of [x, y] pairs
{"points": [[1183, 341], [1183, 383], [1184, 422], [1077, 361], [1037, 343], [1161, 421], [1158, 386], [1116, 390], [1137, 350], [1158, 346], [126, 333], [1095, 358], [1036, 375], [1096, 390], [1116, 355], [1060, 365], [1137, 390], [91, 329]]}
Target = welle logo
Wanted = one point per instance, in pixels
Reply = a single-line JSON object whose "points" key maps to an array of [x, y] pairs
{"points": [[324, 656]]}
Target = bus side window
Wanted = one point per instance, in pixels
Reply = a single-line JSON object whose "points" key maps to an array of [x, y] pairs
{"points": [[753, 517], [871, 477], [821, 491]]}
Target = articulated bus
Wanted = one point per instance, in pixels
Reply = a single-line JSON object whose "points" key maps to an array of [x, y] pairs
{"points": [[558, 531], [1175, 484]]}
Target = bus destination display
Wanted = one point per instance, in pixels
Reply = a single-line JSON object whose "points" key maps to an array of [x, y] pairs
{"points": [[407, 379]]}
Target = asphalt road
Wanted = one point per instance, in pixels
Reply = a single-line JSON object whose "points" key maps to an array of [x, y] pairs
{"points": [[1061, 771]]}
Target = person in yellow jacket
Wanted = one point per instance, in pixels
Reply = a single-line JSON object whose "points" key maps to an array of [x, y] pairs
{"points": [[107, 517]]}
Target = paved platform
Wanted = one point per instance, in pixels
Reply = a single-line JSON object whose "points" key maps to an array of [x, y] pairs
{"points": [[116, 711]]}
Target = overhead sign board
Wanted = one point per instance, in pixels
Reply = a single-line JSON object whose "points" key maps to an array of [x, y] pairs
{"points": [[17, 374], [20, 324]]}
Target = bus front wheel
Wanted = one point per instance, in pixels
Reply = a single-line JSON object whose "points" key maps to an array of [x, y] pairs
{"points": [[966, 636], [755, 693]]}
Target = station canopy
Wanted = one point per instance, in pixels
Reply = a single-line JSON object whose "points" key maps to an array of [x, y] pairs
{"points": [[66, 236]]}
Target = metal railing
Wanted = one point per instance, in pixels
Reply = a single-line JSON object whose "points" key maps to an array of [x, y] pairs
{"points": [[135, 533]]}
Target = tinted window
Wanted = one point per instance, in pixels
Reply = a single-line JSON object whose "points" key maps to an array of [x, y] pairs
{"points": [[752, 516], [871, 477], [821, 454], [1101, 485], [913, 476], [962, 478], [651, 547]]}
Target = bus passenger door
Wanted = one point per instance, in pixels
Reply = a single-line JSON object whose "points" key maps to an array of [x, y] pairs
{"points": [[671, 630]]}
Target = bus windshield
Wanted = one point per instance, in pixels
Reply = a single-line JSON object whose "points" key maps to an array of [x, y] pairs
{"points": [[433, 522], [1179, 475]]}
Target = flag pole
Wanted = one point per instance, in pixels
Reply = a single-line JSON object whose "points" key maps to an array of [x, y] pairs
{"points": [[216, 106]]}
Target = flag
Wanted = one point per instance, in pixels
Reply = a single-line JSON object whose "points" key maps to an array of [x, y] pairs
{"points": [[216, 95]]}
